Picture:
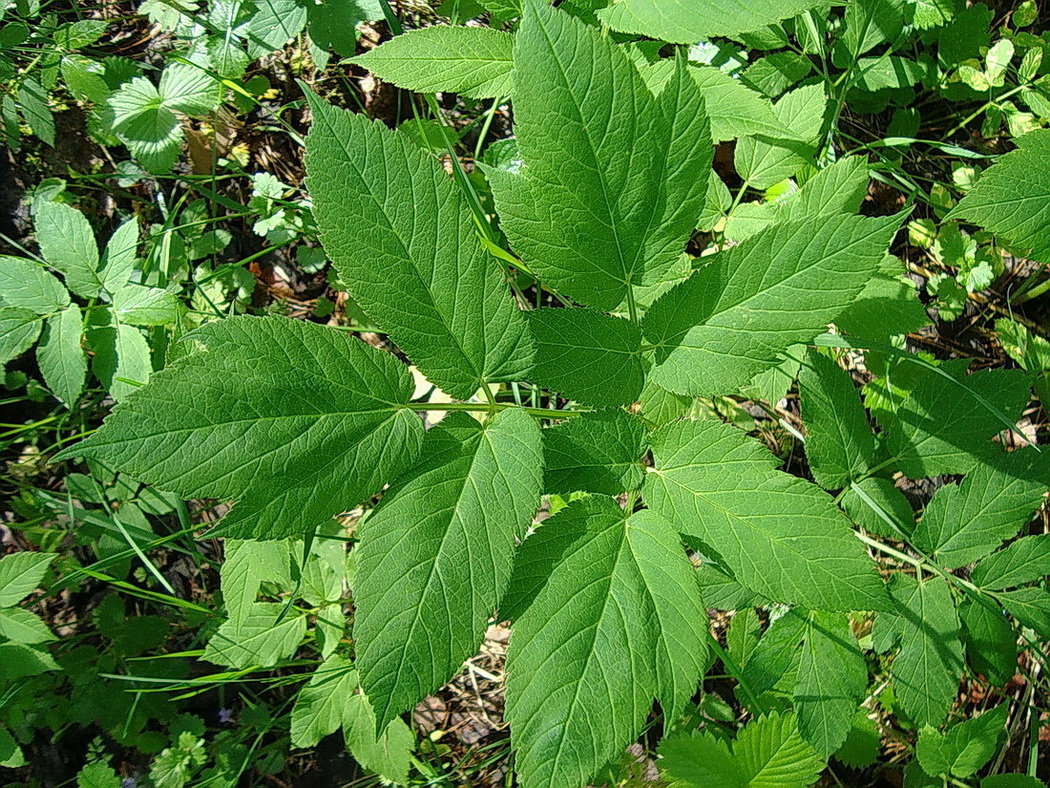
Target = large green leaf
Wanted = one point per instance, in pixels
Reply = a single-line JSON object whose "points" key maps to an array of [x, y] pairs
{"points": [[768, 752], [840, 446], [586, 356], [319, 427], [617, 622], [474, 61], [686, 23], [967, 521], [436, 555], [613, 179], [1012, 199], [779, 535], [272, 24], [597, 452], [26, 285], [927, 670], [400, 233], [738, 312]]}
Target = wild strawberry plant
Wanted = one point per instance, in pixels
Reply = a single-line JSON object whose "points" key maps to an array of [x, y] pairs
{"points": [[586, 335]]}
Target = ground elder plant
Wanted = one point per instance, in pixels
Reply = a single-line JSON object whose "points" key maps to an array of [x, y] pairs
{"points": [[583, 485]]}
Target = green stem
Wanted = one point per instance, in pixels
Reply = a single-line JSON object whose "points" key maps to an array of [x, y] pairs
{"points": [[481, 407]]}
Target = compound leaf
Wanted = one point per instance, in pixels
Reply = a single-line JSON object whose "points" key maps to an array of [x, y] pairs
{"points": [[400, 233], [473, 61], [319, 427], [737, 313], [613, 179], [618, 622], [436, 555], [586, 356], [779, 535]]}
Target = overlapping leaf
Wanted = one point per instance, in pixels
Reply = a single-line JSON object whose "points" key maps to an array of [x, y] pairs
{"points": [[613, 179], [400, 233], [733, 317], [474, 61], [687, 23], [436, 555], [319, 427], [779, 535], [597, 452], [617, 622]]}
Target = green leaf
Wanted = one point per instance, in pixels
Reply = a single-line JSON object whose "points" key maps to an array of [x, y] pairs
{"points": [[592, 358], [946, 425], [145, 306], [26, 285], [618, 622], [320, 706], [446, 533], [390, 753], [19, 329], [1012, 781], [400, 234], [1012, 199], [888, 305], [597, 452], [149, 129], [991, 643], [832, 678], [18, 660], [132, 366], [967, 521], [98, 775], [746, 305], [260, 638], [871, 501], [473, 61], [1030, 606], [11, 754], [613, 179], [1024, 561], [21, 626], [840, 446], [118, 262], [779, 535], [318, 428], [248, 563], [927, 670], [764, 162], [33, 101], [333, 24], [188, 89], [20, 574], [769, 751], [773, 74], [963, 748], [686, 23], [68, 243], [734, 109], [60, 357], [272, 24]]}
